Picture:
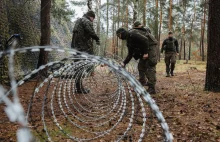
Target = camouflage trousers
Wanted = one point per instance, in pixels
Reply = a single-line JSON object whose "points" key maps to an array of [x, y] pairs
{"points": [[147, 72], [170, 60]]}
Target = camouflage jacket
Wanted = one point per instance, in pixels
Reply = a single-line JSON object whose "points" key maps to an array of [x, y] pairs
{"points": [[153, 46], [137, 44], [146, 32], [83, 34]]}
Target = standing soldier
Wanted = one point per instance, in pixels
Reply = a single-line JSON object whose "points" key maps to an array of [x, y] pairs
{"points": [[82, 40], [139, 47], [171, 48]]}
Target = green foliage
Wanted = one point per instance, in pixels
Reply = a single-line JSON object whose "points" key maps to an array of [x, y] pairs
{"points": [[78, 3], [61, 10]]}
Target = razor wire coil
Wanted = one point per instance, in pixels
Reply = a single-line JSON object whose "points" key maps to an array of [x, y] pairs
{"points": [[97, 114]]}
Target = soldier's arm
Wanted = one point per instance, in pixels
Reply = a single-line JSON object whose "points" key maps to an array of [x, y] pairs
{"points": [[148, 29], [177, 46], [163, 46], [129, 56], [90, 30], [143, 41]]}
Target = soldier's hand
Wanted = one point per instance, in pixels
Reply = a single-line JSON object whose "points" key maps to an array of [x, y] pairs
{"points": [[145, 56], [177, 54], [122, 65]]}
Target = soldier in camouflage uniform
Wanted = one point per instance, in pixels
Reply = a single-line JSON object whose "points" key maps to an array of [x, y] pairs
{"points": [[82, 40], [147, 68], [171, 48], [84, 33], [138, 47]]}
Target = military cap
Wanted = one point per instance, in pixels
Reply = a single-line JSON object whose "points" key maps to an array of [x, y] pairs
{"points": [[120, 30], [137, 23], [91, 14]]}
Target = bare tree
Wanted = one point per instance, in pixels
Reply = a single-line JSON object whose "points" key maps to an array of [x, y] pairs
{"points": [[45, 31]]}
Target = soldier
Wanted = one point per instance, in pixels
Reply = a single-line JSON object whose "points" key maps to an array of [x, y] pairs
{"points": [[138, 25], [82, 40], [171, 48], [138, 47], [147, 70]]}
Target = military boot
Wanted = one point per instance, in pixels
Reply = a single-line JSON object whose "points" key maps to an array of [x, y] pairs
{"points": [[151, 89], [168, 74], [168, 70], [172, 69], [143, 82], [80, 89]]}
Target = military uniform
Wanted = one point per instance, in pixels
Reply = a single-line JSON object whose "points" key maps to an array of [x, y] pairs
{"points": [[83, 34], [82, 40], [139, 44], [171, 48], [147, 68]]}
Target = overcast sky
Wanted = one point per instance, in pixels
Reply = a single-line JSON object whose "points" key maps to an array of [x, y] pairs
{"points": [[80, 10]]}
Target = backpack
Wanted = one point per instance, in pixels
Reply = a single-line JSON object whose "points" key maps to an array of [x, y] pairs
{"points": [[153, 47]]}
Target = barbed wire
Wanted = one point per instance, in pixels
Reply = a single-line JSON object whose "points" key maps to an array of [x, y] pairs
{"points": [[62, 113]]}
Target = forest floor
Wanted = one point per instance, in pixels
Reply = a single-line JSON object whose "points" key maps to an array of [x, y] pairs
{"points": [[192, 114]]}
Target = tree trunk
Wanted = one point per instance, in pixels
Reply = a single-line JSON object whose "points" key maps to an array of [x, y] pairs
{"points": [[45, 31], [135, 11], [181, 48], [89, 4], [160, 26], [144, 13], [184, 49], [200, 46], [191, 30], [106, 40], [117, 41], [170, 15], [113, 33], [156, 29], [98, 15], [127, 15], [203, 32], [184, 30], [212, 82]]}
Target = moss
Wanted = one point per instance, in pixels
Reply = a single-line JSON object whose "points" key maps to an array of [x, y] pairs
{"points": [[25, 19]]}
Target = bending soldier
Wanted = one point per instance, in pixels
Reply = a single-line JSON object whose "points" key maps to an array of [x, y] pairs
{"points": [[147, 68], [138, 48], [82, 40], [171, 48]]}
